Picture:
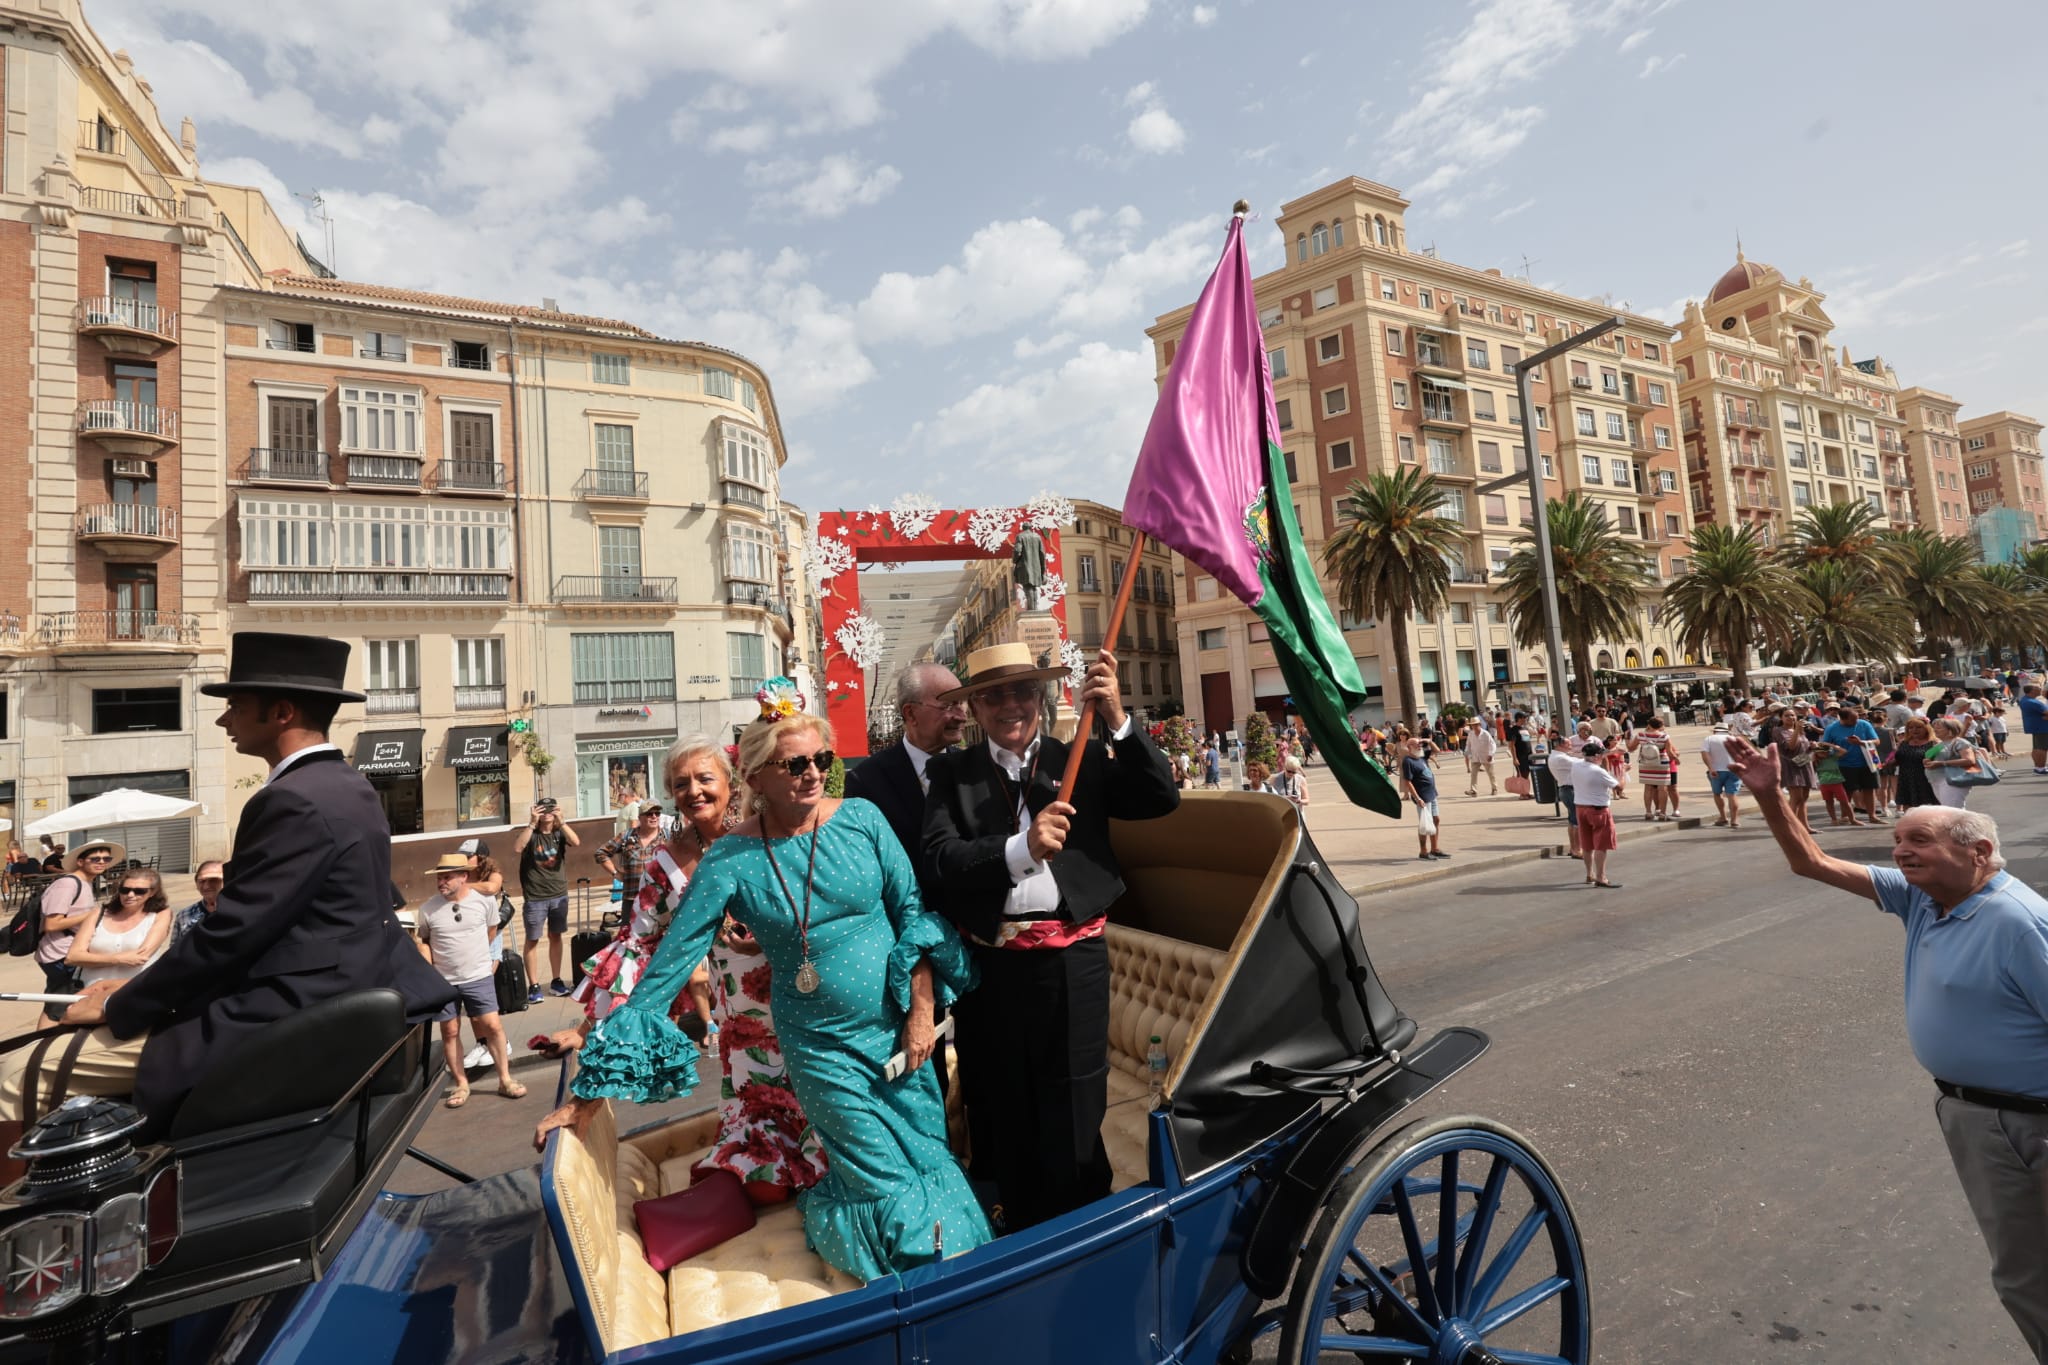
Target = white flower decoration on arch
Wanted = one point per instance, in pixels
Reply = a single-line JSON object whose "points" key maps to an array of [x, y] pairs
{"points": [[825, 560], [912, 514], [1076, 662], [1054, 588], [989, 528], [1049, 511], [861, 637]]}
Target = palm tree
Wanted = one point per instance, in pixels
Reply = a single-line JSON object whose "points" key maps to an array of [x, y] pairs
{"points": [[1842, 532], [1600, 580], [2020, 621], [2033, 562], [1734, 594], [1938, 575], [1847, 618], [1391, 558]]}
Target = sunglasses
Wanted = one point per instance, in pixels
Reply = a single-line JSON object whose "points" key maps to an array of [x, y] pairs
{"points": [[801, 764], [135, 890], [1020, 691], [96, 858]]}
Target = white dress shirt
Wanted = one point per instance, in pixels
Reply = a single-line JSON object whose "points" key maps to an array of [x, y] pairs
{"points": [[295, 756], [1033, 892], [918, 759]]}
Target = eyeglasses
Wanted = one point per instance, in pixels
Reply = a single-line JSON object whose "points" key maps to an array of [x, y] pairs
{"points": [[801, 764], [135, 890], [946, 706], [1017, 691], [213, 881], [96, 858]]}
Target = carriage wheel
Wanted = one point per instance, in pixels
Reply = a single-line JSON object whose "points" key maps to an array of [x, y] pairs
{"points": [[1375, 1283]]}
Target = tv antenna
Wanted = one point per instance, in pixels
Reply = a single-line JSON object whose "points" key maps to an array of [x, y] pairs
{"points": [[326, 221], [1526, 264]]}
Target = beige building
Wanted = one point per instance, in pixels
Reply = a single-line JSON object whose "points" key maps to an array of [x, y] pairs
{"points": [[1383, 357], [1776, 417]]}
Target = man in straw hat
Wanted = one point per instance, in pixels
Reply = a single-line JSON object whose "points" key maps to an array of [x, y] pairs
{"points": [[1028, 879], [305, 914]]}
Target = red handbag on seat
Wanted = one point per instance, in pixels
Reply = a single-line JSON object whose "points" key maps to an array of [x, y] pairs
{"points": [[713, 1209]]}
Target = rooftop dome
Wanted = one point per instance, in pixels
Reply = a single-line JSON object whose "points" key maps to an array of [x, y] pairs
{"points": [[1742, 275]]}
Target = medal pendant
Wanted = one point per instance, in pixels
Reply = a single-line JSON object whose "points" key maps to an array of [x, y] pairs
{"points": [[806, 977]]}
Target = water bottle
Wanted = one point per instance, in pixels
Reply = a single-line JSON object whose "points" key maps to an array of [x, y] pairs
{"points": [[1155, 1069], [618, 890]]}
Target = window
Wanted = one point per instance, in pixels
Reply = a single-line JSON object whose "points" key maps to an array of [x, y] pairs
{"points": [[1549, 470], [1663, 435], [748, 398], [1522, 512], [1300, 248], [1326, 297], [1489, 457], [1482, 406], [640, 666], [1667, 481], [1980, 470], [1496, 509], [290, 336], [1393, 341], [1656, 395], [1336, 402], [295, 427], [749, 554], [1589, 466], [1159, 595], [1788, 413], [618, 553], [1652, 351], [744, 667], [1510, 356], [479, 662], [1587, 426], [1542, 418], [1476, 355], [1318, 240], [1144, 679], [1330, 348], [1283, 410], [1616, 431], [1671, 524], [1407, 446], [747, 457], [1287, 459], [1340, 456], [1461, 613], [719, 383], [1795, 454], [1610, 382], [380, 420], [1089, 582], [116, 710], [1116, 574], [472, 355], [1624, 476], [391, 666], [1451, 504], [1802, 494], [1400, 393], [1428, 299], [1276, 361], [1387, 289], [1211, 638], [1625, 519], [606, 368], [1443, 456], [614, 454], [382, 346]]}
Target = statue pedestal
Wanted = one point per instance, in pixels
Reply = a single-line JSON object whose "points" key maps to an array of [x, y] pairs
{"points": [[1038, 632]]}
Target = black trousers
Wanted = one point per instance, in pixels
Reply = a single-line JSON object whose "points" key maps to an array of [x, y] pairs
{"points": [[1033, 1040]]}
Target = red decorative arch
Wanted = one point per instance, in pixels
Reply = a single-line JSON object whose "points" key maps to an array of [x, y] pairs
{"points": [[916, 535]]}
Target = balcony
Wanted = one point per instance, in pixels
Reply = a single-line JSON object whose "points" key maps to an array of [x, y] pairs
{"points": [[1441, 414], [388, 701], [612, 485], [614, 589], [1637, 396], [129, 428], [433, 585], [1749, 418], [127, 327], [1139, 592], [10, 631], [1897, 481], [1436, 360], [268, 465], [128, 530], [117, 627], [95, 200], [1462, 573], [379, 353], [742, 495], [748, 594], [1890, 444], [470, 476], [385, 471], [479, 696]]}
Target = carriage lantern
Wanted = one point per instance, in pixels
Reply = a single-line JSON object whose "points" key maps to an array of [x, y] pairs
{"points": [[93, 1212]]}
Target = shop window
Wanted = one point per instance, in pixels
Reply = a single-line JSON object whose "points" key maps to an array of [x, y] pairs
{"points": [[116, 710]]}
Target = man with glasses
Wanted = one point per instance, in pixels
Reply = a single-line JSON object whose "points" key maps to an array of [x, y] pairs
{"points": [[455, 926], [626, 856], [210, 877], [1028, 880]]}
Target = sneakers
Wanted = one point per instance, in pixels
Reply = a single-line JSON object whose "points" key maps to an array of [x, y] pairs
{"points": [[534, 996], [558, 987], [478, 1056]]}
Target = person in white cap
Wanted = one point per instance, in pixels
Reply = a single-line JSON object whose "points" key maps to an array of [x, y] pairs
{"points": [[1721, 778]]}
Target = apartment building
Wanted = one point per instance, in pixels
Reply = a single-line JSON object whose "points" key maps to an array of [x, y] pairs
{"points": [[1934, 461], [1775, 417], [2002, 465], [1385, 357]]}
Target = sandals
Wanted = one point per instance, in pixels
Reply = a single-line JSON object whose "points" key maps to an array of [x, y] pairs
{"points": [[514, 1091], [456, 1098]]}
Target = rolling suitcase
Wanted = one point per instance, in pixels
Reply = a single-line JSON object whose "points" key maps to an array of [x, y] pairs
{"points": [[588, 937]]}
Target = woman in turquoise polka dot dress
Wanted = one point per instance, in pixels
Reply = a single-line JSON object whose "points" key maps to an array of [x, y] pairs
{"points": [[857, 966]]}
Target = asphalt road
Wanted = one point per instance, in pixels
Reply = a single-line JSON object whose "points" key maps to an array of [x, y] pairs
{"points": [[1713, 1059]]}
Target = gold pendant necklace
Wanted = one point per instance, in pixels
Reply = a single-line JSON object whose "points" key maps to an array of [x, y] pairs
{"points": [[807, 978]]}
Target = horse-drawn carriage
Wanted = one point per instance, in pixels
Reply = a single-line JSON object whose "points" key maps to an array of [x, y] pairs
{"points": [[1263, 1205]]}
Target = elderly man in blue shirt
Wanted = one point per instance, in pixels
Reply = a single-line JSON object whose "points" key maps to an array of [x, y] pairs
{"points": [[1976, 1012]]}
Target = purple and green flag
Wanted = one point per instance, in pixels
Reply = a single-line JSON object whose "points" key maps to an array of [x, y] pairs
{"points": [[1211, 483]]}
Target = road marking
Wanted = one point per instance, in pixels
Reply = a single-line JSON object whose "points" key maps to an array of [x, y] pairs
{"points": [[1612, 968]]}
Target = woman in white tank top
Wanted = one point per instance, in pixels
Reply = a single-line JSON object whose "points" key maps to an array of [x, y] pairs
{"points": [[125, 935]]}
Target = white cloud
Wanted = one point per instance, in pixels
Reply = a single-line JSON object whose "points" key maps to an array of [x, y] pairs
{"points": [[1634, 40], [1656, 64], [1118, 292], [747, 138], [1203, 15], [1082, 419], [823, 189], [1154, 130], [1008, 272], [1513, 210]]}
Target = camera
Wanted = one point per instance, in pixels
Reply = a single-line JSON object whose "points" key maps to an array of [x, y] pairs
{"points": [[546, 803]]}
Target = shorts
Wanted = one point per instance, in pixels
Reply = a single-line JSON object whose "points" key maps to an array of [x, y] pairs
{"points": [[473, 998], [1859, 780], [1834, 791], [553, 912], [1596, 829], [1570, 800], [1725, 783]]}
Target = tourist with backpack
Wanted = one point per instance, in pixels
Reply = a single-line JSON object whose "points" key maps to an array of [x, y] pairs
{"points": [[66, 904]]}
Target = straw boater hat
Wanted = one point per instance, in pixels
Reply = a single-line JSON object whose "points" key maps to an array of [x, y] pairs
{"points": [[453, 862], [998, 664]]}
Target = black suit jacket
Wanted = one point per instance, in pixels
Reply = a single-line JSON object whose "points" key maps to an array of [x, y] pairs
{"points": [[305, 915], [889, 779], [968, 815]]}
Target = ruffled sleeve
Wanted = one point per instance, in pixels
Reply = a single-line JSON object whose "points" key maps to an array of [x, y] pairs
{"points": [[920, 934], [636, 1052]]}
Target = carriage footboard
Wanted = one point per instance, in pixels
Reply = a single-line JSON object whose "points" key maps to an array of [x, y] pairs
{"points": [[1301, 1188]]}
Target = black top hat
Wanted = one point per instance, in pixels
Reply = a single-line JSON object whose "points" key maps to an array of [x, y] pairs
{"points": [[264, 661]]}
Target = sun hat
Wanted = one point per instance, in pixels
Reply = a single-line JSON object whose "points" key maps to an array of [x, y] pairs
{"points": [[452, 862], [994, 665], [119, 851]]}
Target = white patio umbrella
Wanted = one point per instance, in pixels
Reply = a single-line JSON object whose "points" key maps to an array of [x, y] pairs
{"points": [[121, 806]]}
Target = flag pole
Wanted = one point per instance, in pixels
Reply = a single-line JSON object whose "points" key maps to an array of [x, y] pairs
{"points": [[1116, 624]]}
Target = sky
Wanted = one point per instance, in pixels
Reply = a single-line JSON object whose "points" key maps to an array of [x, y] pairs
{"points": [[942, 226]]}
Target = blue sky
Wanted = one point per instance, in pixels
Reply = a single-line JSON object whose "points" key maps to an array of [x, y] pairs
{"points": [[943, 225]]}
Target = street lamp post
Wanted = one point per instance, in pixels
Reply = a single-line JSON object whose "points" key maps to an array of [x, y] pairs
{"points": [[1546, 567]]}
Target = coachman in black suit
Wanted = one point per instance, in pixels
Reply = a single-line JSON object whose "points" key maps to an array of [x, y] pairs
{"points": [[1028, 881], [305, 914]]}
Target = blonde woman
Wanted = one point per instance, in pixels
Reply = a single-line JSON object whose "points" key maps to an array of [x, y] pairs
{"points": [[1953, 754]]}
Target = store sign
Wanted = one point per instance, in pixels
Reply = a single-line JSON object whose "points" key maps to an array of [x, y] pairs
{"points": [[703, 679], [625, 712]]}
